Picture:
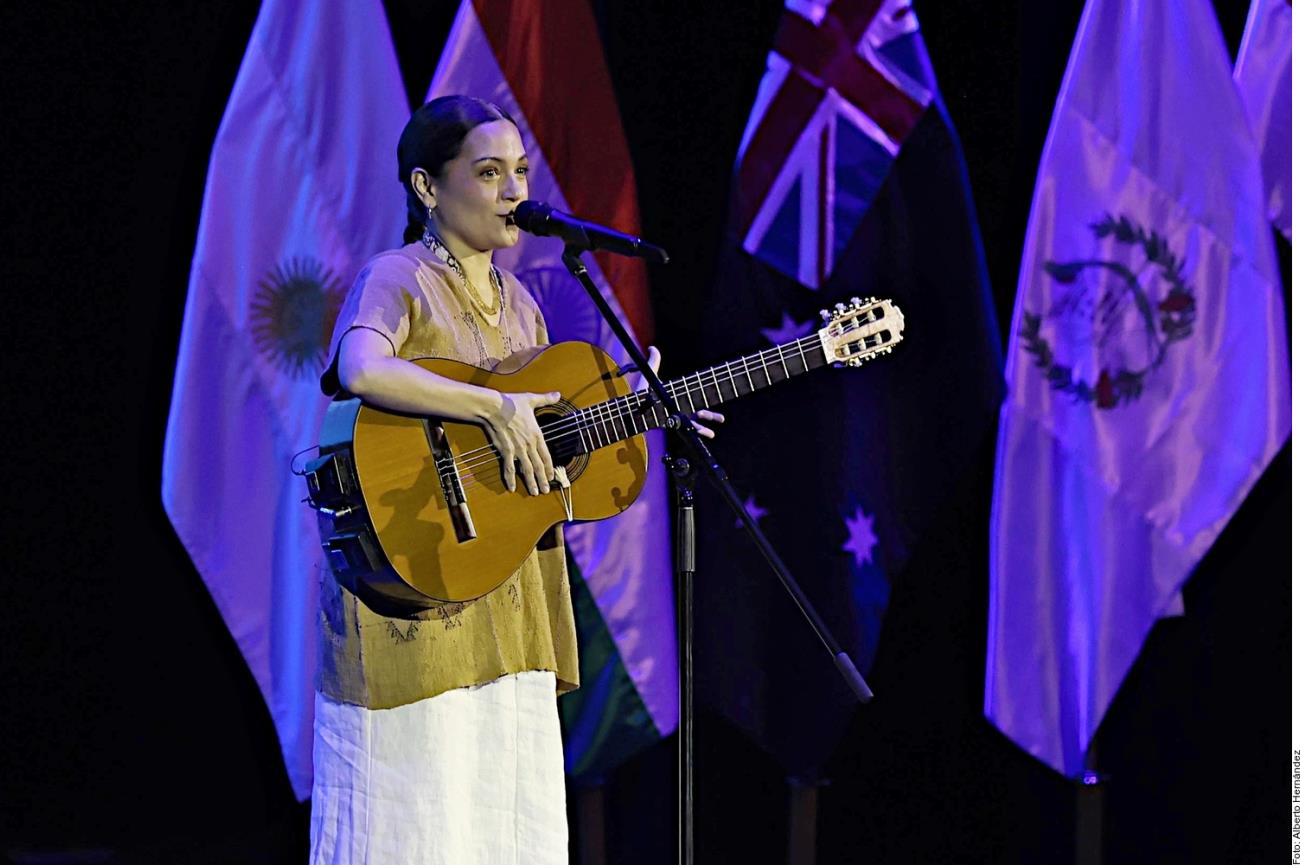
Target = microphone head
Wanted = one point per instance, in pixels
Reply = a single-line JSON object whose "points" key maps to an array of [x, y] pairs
{"points": [[531, 215]]}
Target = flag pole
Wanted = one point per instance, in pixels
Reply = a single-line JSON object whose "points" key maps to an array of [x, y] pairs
{"points": [[801, 838], [1089, 811]]}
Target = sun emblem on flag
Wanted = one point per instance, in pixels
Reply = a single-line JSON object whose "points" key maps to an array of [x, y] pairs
{"points": [[568, 311], [1111, 325], [293, 315]]}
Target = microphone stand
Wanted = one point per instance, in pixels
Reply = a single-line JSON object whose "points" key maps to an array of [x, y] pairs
{"points": [[699, 459]]}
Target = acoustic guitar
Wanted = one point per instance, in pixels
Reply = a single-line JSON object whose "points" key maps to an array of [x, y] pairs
{"points": [[414, 510]]}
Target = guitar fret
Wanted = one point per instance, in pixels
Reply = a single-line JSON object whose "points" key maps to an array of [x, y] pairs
{"points": [[629, 418], [636, 405], [624, 419], [648, 413], [607, 421], [654, 414], [629, 415], [617, 411]]}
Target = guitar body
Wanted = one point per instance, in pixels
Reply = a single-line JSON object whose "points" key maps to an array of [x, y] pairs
{"points": [[414, 511], [457, 542]]}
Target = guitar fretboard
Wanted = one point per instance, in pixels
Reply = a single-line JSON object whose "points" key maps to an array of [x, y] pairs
{"points": [[614, 420]]}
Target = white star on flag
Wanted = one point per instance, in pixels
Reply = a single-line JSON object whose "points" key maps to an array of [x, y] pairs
{"points": [[787, 330], [862, 537], [752, 508]]}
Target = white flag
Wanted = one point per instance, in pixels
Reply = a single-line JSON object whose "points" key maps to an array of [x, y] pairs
{"points": [[1263, 75], [1147, 374], [301, 191]]}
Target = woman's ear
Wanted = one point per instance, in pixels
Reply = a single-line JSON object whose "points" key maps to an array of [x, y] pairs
{"points": [[423, 186]]}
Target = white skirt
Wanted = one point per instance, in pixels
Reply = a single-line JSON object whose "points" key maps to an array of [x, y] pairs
{"points": [[474, 776]]}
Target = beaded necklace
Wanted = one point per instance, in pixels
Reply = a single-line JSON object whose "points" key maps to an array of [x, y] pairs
{"points": [[487, 311]]}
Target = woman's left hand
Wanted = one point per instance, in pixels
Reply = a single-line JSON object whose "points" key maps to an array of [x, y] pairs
{"points": [[654, 358]]}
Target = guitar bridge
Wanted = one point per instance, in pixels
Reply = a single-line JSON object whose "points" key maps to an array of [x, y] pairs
{"points": [[453, 491]]}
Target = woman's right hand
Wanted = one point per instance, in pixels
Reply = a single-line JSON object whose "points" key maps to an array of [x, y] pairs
{"points": [[514, 432]]}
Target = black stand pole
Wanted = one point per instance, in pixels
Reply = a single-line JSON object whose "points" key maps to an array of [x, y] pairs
{"points": [[684, 484], [701, 460]]}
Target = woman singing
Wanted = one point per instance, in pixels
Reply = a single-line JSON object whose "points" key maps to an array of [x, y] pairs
{"points": [[437, 735]]}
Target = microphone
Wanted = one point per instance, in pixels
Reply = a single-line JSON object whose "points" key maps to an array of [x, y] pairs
{"points": [[536, 217]]}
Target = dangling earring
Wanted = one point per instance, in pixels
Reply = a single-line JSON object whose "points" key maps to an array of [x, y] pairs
{"points": [[429, 238]]}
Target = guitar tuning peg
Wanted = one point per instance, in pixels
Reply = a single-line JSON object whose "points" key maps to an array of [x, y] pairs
{"points": [[839, 307], [855, 301], [826, 316]]}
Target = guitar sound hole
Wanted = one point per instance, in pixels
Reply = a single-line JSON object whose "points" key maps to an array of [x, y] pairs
{"points": [[562, 438]]}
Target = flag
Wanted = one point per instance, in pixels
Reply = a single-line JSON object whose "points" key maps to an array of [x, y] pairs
{"points": [[1263, 76], [849, 181], [1147, 373], [299, 194], [810, 165], [534, 65]]}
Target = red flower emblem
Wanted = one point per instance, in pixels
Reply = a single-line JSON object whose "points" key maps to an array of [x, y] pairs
{"points": [[1106, 397], [1176, 302]]}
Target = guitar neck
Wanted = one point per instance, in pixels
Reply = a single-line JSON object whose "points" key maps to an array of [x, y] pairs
{"points": [[617, 419]]}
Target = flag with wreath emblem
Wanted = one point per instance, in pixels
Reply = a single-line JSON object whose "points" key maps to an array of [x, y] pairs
{"points": [[1147, 371]]}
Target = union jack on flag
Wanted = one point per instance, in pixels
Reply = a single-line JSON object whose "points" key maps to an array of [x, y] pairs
{"points": [[846, 82]]}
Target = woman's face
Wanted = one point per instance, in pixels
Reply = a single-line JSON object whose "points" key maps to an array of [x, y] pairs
{"points": [[479, 188]]}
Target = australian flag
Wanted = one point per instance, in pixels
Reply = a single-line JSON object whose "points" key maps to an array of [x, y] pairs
{"points": [[849, 181]]}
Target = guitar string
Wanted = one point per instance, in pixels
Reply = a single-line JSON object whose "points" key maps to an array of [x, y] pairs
{"points": [[682, 386], [495, 479], [609, 414]]}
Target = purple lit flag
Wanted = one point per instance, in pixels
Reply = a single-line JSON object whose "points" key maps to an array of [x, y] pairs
{"points": [[1147, 374], [841, 94], [299, 194], [850, 180], [621, 578], [1263, 76]]}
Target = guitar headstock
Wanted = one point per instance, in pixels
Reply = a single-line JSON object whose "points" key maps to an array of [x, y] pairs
{"points": [[860, 330]]}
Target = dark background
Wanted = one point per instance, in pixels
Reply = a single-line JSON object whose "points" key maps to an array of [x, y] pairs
{"points": [[133, 732]]}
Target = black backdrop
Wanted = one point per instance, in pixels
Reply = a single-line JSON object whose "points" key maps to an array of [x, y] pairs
{"points": [[131, 730]]}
